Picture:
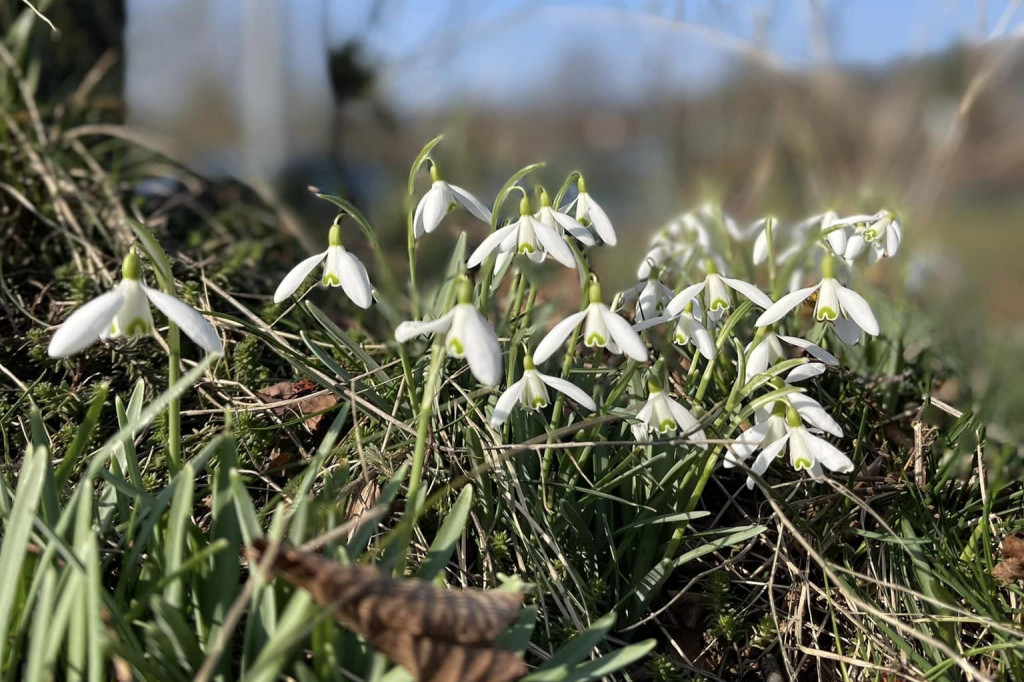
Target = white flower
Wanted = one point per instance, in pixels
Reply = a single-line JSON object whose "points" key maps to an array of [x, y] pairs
{"points": [[806, 450], [768, 350], [690, 330], [651, 297], [663, 415], [531, 390], [717, 298], [589, 213], [601, 328], [881, 231], [440, 200], [468, 335], [561, 223], [125, 312], [527, 236], [835, 303], [341, 268]]}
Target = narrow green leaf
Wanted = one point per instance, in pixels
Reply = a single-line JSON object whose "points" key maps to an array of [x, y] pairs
{"points": [[443, 547]]}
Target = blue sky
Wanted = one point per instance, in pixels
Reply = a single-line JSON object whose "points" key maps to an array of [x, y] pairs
{"points": [[505, 52]]}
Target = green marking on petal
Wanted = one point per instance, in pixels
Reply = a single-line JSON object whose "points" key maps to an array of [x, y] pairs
{"points": [[594, 339], [825, 313], [452, 206], [331, 280], [666, 425], [584, 221], [455, 347], [681, 339], [870, 235], [137, 327], [803, 463], [539, 401], [526, 247], [719, 304]]}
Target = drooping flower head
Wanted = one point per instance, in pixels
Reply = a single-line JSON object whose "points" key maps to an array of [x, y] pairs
{"points": [[561, 223], [527, 236], [532, 391], [715, 290], [664, 415], [341, 268], [468, 335], [847, 310], [590, 214], [601, 328], [441, 199], [784, 426], [125, 312]]}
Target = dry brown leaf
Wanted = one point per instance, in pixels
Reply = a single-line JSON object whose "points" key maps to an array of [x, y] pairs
{"points": [[437, 634], [314, 405], [1011, 568]]}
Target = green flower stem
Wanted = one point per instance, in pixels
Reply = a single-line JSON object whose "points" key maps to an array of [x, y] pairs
{"points": [[165, 278], [414, 291], [519, 288], [437, 358]]}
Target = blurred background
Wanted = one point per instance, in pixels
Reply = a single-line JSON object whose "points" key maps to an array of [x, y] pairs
{"points": [[767, 106]]}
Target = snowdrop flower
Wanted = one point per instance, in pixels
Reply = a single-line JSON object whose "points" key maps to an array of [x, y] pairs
{"points": [[528, 236], [125, 312], [717, 298], [440, 200], [590, 214], [881, 231], [663, 415], [532, 391], [834, 304], [766, 350], [468, 335], [601, 328], [341, 268], [651, 297], [785, 427], [561, 223], [763, 227], [690, 330]]}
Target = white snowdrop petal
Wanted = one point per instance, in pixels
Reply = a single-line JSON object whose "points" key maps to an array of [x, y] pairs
{"points": [[813, 349], [849, 332], [574, 228], [471, 203], [506, 401], [188, 320], [570, 389], [483, 353], [815, 415], [354, 280], [679, 301], [837, 239], [750, 440], [805, 372], [296, 277], [766, 457], [761, 248], [489, 244], [778, 310], [623, 335], [758, 359], [417, 218], [702, 339], [411, 328], [754, 294], [600, 221], [86, 324], [557, 336], [435, 206], [686, 422], [553, 244], [858, 310], [831, 457]]}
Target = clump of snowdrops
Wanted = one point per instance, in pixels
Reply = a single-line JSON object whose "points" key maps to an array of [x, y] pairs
{"points": [[590, 434]]}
